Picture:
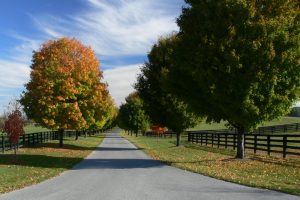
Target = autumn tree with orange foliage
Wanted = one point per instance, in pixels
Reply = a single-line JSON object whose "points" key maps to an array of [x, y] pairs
{"points": [[65, 90]]}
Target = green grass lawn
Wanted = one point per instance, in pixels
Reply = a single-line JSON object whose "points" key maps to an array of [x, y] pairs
{"points": [[33, 129], [34, 165], [258, 171], [221, 125], [283, 120]]}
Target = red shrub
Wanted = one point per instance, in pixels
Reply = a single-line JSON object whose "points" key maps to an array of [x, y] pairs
{"points": [[13, 126]]}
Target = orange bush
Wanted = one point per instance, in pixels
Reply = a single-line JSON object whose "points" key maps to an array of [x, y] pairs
{"points": [[157, 129]]}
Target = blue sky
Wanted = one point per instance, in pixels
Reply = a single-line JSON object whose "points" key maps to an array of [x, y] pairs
{"points": [[121, 32]]}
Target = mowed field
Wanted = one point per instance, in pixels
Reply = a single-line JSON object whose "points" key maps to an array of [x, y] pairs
{"points": [[222, 125], [33, 129]]}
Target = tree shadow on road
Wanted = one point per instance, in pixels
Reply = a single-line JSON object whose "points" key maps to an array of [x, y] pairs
{"points": [[117, 149], [43, 161], [118, 164], [54, 145]]}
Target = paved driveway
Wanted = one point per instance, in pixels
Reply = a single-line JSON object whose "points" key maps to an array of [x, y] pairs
{"points": [[117, 170]]}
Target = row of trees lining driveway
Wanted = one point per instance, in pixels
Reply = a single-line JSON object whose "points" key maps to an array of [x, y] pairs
{"points": [[236, 61]]}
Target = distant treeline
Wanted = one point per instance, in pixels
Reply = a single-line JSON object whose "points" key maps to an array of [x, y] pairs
{"points": [[295, 112]]}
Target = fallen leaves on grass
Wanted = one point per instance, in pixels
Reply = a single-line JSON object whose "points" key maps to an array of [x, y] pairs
{"points": [[36, 164], [258, 171]]}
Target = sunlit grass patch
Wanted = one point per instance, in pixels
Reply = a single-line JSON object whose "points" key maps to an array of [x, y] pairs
{"points": [[257, 170], [34, 165]]}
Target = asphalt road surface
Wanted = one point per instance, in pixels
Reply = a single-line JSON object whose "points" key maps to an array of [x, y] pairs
{"points": [[117, 170]]}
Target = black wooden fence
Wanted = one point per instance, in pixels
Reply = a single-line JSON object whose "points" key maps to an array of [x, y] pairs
{"points": [[285, 144], [295, 127], [33, 139], [167, 134]]}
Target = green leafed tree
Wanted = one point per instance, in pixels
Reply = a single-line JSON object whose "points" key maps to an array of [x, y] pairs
{"points": [[123, 117], [65, 90], [2, 120], [295, 112], [162, 107], [238, 60], [132, 115]]}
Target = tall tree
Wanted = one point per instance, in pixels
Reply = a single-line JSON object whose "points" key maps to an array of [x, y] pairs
{"points": [[132, 115], [2, 120], [123, 117], [162, 107], [295, 112], [65, 90], [238, 60]]}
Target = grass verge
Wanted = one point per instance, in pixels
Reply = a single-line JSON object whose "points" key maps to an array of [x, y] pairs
{"points": [[33, 129], [37, 164], [221, 125], [257, 171]]}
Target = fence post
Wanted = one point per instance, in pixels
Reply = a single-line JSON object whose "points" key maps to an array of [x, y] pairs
{"points": [[212, 139], [225, 140], [201, 138], [284, 146], [23, 138], [245, 140], [189, 137], [269, 144], [255, 143], [234, 141], [285, 129], [206, 139], [218, 140], [33, 139]]}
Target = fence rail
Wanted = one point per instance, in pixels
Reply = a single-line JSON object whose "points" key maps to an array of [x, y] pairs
{"points": [[285, 144], [33, 139], [167, 134], [295, 127]]}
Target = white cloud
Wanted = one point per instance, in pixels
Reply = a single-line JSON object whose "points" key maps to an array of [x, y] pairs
{"points": [[123, 28], [13, 74], [111, 27], [121, 80]]}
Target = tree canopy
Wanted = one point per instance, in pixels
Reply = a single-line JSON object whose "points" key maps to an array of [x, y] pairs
{"points": [[162, 107], [65, 90], [14, 126], [238, 60], [295, 112], [132, 115]]}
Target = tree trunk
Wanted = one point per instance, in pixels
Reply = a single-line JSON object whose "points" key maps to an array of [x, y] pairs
{"points": [[177, 138], [61, 137], [76, 136], [240, 154], [15, 151], [136, 133]]}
